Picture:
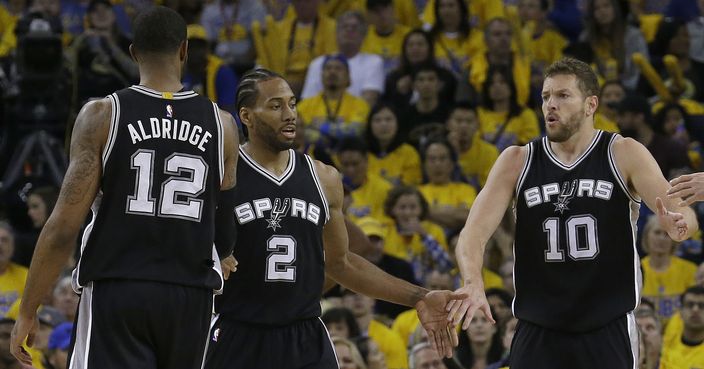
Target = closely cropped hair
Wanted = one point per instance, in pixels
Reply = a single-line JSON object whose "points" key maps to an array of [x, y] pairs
{"points": [[586, 78], [247, 91], [694, 290], [159, 30], [396, 193], [353, 14], [353, 144]]}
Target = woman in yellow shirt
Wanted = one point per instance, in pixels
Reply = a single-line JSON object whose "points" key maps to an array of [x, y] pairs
{"points": [[449, 200], [410, 236], [389, 156], [665, 276], [454, 41], [501, 120]]}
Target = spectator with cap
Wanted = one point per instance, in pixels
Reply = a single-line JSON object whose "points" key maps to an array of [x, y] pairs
{"points": [[206, 73], [56, 356], [366, 70], [376, 232], [12, 276], [334, 113], [635, 120]]}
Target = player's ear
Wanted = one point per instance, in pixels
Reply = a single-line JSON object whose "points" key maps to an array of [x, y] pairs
{"points": [[133, 54], [245, 116], [592, 103]]}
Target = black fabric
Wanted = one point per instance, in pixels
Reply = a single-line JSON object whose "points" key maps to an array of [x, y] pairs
{"points": [[302, 345], [608, 347]]}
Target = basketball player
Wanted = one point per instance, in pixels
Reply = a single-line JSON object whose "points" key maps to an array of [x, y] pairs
{"points": [[291, 233], [577, 193], [150, 161]]}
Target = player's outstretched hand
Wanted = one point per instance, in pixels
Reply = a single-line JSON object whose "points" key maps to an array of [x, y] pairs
{"points": [[25, 328], [467, 307], [672, 222], [228, 265], [689, 187], [433, 316]]}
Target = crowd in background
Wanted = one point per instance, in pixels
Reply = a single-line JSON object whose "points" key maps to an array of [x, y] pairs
{"points": [[413, 101]]}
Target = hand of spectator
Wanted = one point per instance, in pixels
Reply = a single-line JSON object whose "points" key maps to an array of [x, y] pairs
{"points": [[466, 308], [228, 265], [25, 329], [434, 318], [674, 223], [689, 187], [411, 227]]}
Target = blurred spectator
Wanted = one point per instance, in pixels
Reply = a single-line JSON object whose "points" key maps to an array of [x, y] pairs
{"points": [[366, 70], [665, 276], [368, 189], [74, 12], [385, 35], [9, 14], [508, 330], [673, 121], [348, 357], [429, 112], [334, 113], [567, 17], [102, 62], [687, 351], [65, 299], [480, 345], [390, 343], [650, 330], [207, 74], [59, 344], [475, 156], [454, 41], [449, 200], [498, 35], [398, 268], [227, 23], [40, 204], [417, 50], [411, 236], [12, 276], [503, 121], [673, 38], [699, 277], [371, 353], [696, 42], [389, 156], [479, 12], [307, 33], [546, 43], [500, 303], [612, 92], [506, 272], [41, 15], [7, 361], [424, 356], [190, 10], [340, 322], [613, 41], [635, 120]]}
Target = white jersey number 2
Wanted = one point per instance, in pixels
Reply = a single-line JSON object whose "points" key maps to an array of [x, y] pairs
{"points": [[279, 264], [177, 195]]}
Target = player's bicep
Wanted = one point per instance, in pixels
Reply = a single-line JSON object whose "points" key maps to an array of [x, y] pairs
{"points": [[231, 151], [335, 238]]}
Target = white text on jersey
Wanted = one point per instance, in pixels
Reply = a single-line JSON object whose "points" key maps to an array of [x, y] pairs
{"points": [[170, 129], [584, 188], [247, 212]]}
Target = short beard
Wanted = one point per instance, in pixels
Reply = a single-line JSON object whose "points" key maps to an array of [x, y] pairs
{"points": [[267, 135], [572, 125]]}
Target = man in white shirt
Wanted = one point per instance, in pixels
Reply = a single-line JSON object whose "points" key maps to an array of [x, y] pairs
{"points": [[366, 70]]}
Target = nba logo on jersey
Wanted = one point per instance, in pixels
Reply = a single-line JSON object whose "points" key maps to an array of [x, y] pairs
{"points": [[216, 334], [169, 111]]}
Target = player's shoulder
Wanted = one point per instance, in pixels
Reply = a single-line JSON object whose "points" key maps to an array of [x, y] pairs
{"points": [[326, 173], [626, 147]]}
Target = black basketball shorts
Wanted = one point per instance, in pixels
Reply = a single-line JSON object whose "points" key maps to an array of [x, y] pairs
{"points": [[141, 325]]}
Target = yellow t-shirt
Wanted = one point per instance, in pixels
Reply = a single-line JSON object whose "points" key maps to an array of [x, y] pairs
{"points": [[480, 11], [294, 56], [479, 67], [605, 124], [390, 343], [350, 113], [8, 40], [408, 247], [665, 288], [476, 162], [519, 130], [491, 279], [547, 48], [455, 194], [399, 166], [368, 199], [405, 324], [673, 329], [677, 355], [453, 52], [11, 286], [388, 47]]}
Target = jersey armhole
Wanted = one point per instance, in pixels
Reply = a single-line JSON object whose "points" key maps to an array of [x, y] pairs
{"points": [[526, 166], [221, 143], [112, 133], [319, 186], [617, 174]]}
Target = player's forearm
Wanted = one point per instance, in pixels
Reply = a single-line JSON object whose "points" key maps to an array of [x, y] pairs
{"points": [[360, 275], [53, 250], [470, 255]]}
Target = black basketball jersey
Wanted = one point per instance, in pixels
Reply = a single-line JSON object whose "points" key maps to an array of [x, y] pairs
{"points": [[279, 220], [162, 169], [576, 266]]}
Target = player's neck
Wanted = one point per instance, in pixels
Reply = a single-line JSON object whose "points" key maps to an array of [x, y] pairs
{"points": [[571, 149], [161, 83], [273, 160], [660, 262], [162, 76]]}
